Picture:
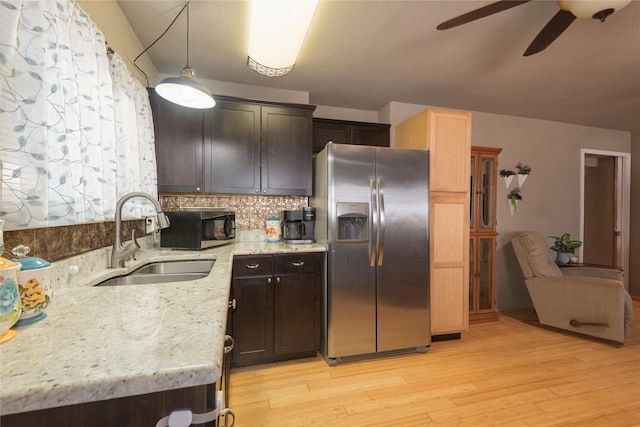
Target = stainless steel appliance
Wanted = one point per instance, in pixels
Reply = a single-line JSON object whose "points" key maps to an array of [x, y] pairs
{"points": [[372, 210], [199, 228], [298, 225]]}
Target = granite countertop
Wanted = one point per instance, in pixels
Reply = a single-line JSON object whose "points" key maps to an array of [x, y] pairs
{"points": [[106, 342]]}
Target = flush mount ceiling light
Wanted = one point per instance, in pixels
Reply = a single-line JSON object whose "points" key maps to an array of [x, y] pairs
{"points": [[277, 29], [183, 90]]}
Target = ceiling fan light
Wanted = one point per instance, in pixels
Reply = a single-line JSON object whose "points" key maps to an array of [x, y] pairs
{"points": [[587, 9], [277, 29], [185, 91]]}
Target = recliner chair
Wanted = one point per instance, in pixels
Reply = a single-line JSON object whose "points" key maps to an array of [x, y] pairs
{"points": [[585, 300]]}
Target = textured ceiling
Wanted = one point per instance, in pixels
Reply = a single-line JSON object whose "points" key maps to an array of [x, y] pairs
{"points": [[363, 54]]}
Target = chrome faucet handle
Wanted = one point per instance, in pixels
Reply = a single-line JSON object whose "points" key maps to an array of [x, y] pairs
{"points": [[163, 220]]}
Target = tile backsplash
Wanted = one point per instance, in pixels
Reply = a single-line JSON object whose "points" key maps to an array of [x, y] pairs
{"points": [[251, 211], [56, 243]]}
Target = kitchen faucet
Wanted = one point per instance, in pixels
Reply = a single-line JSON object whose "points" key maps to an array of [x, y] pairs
{"points": [[119, 253]]}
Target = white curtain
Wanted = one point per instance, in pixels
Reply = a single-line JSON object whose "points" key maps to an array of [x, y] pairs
{"points": [[75, 127]]}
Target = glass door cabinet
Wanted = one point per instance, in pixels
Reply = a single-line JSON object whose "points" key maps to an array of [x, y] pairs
{"points": [[482, 245]]}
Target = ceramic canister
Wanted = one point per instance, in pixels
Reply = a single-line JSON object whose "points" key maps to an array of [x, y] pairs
{"points": [[10, 303], [273, 229], [34, 284]]}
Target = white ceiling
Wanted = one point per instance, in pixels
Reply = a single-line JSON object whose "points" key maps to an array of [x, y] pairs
{"points": [[363, 54]]}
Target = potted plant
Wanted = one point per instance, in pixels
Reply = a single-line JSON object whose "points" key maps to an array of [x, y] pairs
{"points": [[523, 172], [507, 175], [513, 196], [564, 246]]}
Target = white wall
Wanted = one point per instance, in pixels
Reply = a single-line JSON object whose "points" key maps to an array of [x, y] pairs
{"points": [[120, 36], [634, 244]]}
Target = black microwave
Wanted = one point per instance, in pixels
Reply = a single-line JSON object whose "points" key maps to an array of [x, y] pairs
{"points": [[198, 228]]}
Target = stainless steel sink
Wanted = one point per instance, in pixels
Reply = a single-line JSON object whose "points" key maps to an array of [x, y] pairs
{"points": [[163, 272], [145, 279], [176, 267]]}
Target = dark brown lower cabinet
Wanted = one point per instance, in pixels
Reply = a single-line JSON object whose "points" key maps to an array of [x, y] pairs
{"points": [[133, 411], [277, 307]]}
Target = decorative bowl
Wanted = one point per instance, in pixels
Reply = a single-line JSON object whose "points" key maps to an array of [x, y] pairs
{"points": [[10, 302]]}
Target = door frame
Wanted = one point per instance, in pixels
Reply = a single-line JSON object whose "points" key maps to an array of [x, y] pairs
{"points": [[624, 203]]}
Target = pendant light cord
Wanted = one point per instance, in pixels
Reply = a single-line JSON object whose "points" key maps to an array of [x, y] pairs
{"points": [[188, 9], [188, 3]]}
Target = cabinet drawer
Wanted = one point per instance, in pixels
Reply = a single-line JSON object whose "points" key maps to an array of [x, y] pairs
{"points": [[261, 265], [298, 263]]}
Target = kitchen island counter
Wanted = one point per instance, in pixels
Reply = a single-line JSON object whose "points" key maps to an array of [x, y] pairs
{"points": [[106, 342]]}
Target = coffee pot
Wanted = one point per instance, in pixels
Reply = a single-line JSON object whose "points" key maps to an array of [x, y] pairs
{"points": [[298, 226], [292, 230]]}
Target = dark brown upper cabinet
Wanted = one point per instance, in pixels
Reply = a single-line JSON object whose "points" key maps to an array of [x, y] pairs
{"points": [[237, 147], [349, 132], [178, 136]]}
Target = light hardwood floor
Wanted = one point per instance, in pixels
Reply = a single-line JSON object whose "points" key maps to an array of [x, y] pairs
{"points": [[505, 373]]}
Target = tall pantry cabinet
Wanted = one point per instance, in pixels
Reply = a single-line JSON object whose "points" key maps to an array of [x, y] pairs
{"points": [[447, 135]]}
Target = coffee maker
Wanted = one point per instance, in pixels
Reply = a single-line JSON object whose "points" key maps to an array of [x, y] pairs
{"points": [[298, 226]]}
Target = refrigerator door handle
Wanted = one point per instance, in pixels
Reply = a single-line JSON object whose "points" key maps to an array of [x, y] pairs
{"points": [[381, 222], [373, 224]]}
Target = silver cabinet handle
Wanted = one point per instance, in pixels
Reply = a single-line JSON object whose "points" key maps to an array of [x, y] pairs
{"points": [[269, 280], [277, 280], [297, 263], [233, 304], [252, 266], [229, 343]]}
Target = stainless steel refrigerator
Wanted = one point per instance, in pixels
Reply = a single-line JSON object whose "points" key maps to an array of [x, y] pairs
{"points": [[372, 210]]}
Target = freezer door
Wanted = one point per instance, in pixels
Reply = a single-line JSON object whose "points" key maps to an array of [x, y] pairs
{"points": [[402, 178], [351, 292]]}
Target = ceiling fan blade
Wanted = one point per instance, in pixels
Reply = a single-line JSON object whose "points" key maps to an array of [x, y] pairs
{"points": [[550, 32], [480, 13]]}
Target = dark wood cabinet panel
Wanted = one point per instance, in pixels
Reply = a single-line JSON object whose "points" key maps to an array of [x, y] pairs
{"points": [[254, 265], [376, 135], [238, 147], [277, 307], [286, 151], [298, 263], [232, 148], [329, 130], [134, 411], [349, 132], [253, 318], [179, 144], [297, 306]]}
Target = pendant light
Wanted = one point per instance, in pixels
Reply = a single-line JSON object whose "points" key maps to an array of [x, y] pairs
{"points": [[184, 90]]}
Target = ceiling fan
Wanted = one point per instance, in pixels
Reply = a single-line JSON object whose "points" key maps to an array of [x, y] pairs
{"points": [[569, 11]]}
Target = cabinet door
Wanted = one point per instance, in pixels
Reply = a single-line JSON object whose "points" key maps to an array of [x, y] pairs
{"points": [[329, 130], [296, 313], [252, 318], [449, 140], [375, 135], [483, 192], [179, 142], [232, 148], [286, 151], [449, 244]]}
